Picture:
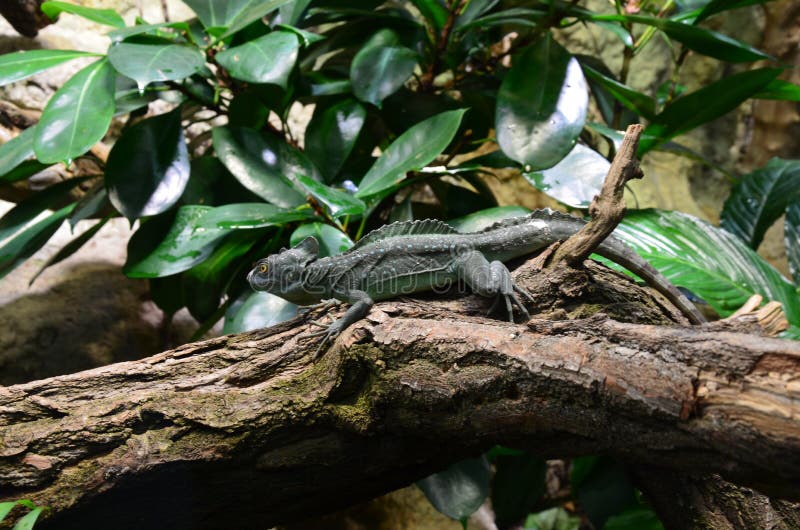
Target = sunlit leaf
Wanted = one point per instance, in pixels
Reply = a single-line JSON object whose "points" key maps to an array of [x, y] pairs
{"points": [[27, 521], [146, 63], [107, 17], [77, 115], [553, 519], [779, 89], [23, 245], [148, 167], [259, 310], [575, 180], [19, 65], [263, 163], [381, 67], [31, 207], [332, 133], [233, 14], [412, 150], [157, 30], [17, 150], [759, 198], [331, 240], [459, 490], [338, 203], [712, 263], [267, 59], [541, 105]]}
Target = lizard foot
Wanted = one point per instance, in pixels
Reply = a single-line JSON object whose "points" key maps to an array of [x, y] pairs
{"points": [[324, 304], [329, 332]]}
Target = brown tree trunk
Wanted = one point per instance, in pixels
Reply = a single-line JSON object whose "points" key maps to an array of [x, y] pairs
{"points": [[251, 430]]}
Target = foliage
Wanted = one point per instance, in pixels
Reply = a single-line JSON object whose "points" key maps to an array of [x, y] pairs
{"points": [[25, 522], [401, 92]]}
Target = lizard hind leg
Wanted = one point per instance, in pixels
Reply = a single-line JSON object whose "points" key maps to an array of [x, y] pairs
{"points": [[491, 280]]}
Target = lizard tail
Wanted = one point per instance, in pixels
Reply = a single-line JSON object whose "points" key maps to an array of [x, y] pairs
{"points": [[620, 253]]}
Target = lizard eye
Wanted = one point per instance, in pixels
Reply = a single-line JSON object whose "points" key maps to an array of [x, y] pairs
{"points": [[263, 267]]}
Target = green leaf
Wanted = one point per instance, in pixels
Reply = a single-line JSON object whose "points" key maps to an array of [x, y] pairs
{"points": [[701, 40], [515, 16], [338, 203], [434, 12], [381, 67], [145, 63], [541, 105], [27, 521], [759, 198], [331, 241], [477, 221], [553, 519], [6, 507], [639, 103], [639, 518], [717, 6], [704, 105], [575, 180], [107, 17], [292, 12], [204, 284], [332, 133], [473, 10], [259, 310], [23, 245], [70, 248], [264, 164], [247, 110], [28, 209], [605, 491], [412, 150], [194, 234], [233, 14], [267, 59], [77, 115], [791, 234], [94, 202], [459, 490], [17, 150], [779, 89], [156, 30], [517, 485], [712, 263], [19, 65], [148, 167]]}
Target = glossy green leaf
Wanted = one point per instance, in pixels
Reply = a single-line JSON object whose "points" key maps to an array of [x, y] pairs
{"points": [[473, 10], [70, 248], [27, 210], [704, 105], [92, 204], [639, 518], [203, 284], [194, 233], [161, 30], [22, 246], [639, 103], [27, 521], [267, 59], [307, 38], [519, 16], [292, 12], [19, 65], [263, 163], [575, 180], [412, 150], [6, 507], [146, 63], [459, 490], [233, 14], [23, 171], [553, 519], [331, 240], [701, 40], [759, 198], [148, 167], [791, 234], [381, 67], [712, 263], [517, 485], [332, 133], [77, 115], [541, 105], [338, 203], [477, 221], [717, 6], [259, 310], [211, 184], [17, 150], [434, 12], [779, 89], [107, 17]]}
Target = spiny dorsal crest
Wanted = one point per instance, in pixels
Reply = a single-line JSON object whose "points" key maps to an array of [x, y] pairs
{"points": [[544, 214], [405, 228]]}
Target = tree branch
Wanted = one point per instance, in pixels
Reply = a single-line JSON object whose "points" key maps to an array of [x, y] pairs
{"points": [[251, 430]]}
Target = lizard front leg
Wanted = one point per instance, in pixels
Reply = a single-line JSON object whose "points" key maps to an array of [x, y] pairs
{"points": [[490, 280], [361, 304]]}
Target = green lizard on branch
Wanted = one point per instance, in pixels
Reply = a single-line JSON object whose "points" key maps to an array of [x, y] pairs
{"points": [[408, 257]]}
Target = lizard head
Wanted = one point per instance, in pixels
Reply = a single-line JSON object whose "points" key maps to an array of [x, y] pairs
{"points": [[280, 273]]}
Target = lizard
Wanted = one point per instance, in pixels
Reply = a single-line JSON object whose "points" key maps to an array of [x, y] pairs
{"points": [[413, 256]]}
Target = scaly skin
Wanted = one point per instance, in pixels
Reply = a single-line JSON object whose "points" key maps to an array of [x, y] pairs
{"points": [[405, 258]]}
